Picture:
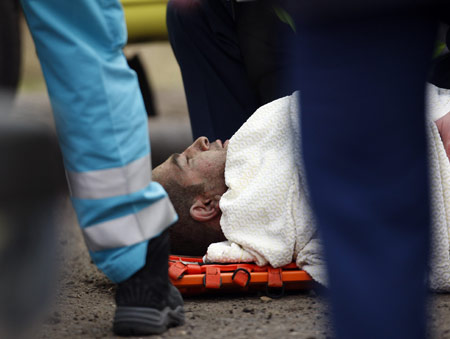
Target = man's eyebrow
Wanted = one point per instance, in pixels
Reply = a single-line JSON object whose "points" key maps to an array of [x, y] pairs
{"points": [[174, 160]]}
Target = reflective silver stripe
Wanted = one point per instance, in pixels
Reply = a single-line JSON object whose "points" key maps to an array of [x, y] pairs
{"points": [[111, 182], [130, 229]]}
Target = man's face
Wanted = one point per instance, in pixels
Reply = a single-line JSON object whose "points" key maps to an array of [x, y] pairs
{"points": [[202, 162]]}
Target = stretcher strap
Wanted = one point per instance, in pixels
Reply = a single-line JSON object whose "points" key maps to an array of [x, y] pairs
{"points": [[274, 278], [177, 270], [275, 285], [212, 278], [241, 277]]}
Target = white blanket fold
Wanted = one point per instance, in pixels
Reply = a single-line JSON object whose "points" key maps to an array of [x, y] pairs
{"points": [[438, 104]]}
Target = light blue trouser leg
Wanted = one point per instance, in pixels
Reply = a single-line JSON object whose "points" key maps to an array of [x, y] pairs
{"points": [[102, 129]]}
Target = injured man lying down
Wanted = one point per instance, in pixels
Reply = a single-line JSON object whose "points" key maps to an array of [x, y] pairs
{"points": [[245, 200]]}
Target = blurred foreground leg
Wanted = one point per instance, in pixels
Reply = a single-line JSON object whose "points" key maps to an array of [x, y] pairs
{"points": [[362, 102], [31, 187]]}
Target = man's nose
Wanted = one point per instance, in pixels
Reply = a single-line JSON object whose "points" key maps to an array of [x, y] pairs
{"points": [[199, 145], [202, 143]]}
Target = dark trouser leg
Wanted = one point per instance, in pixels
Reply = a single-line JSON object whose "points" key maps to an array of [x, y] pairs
{"points": [[362, 103], [267, 59], [219, 96]]}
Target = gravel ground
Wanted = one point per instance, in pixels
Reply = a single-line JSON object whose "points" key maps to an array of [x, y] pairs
{"points": [[83, 304]]}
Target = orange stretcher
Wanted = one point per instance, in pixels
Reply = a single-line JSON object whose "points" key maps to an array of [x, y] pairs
{"points": [[191, 276]]}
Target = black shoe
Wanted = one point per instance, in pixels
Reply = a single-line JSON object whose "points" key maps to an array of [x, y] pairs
{"points": [[147, 303]]}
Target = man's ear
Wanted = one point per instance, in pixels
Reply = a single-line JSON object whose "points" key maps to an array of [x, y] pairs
{"points": [[204, 209]]}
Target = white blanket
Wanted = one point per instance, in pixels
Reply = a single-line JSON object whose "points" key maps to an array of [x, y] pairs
{"points": [[266, 217], [439, 104]]}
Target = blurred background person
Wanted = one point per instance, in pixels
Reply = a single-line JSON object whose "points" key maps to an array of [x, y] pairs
{"points": [[231, 59]]}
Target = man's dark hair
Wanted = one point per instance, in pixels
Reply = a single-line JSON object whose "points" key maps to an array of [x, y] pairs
{"points": [[188, 236]]}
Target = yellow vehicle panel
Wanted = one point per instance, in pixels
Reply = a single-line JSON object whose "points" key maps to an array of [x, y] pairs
{"points": [[146, 19]]}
